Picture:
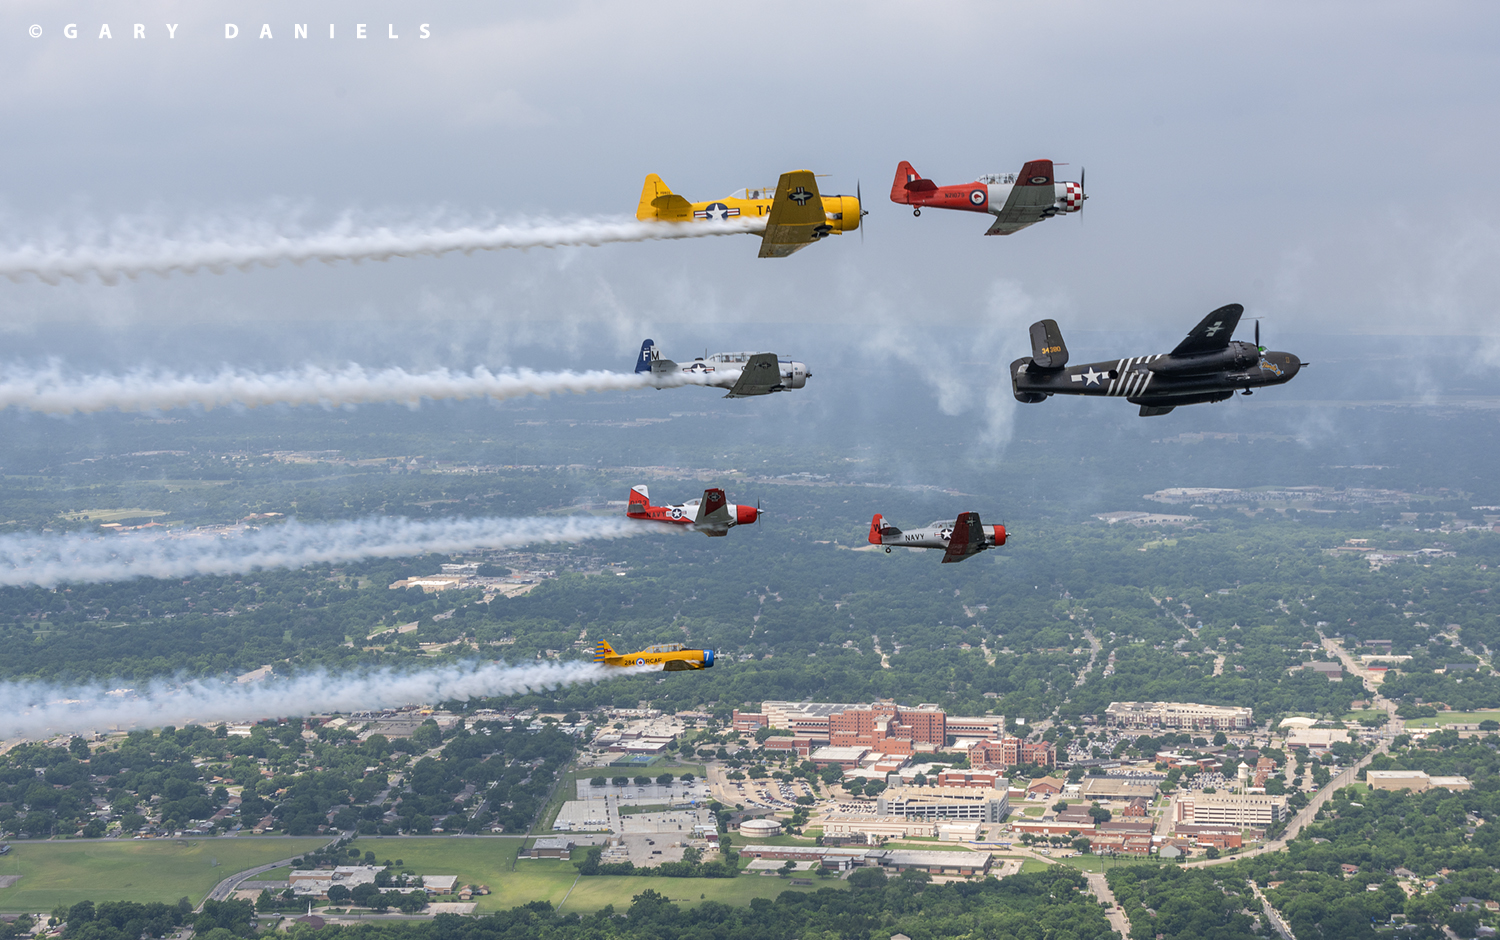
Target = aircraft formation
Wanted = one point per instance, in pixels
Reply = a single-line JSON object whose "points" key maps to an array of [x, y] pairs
{"points": [[1208, 366]]}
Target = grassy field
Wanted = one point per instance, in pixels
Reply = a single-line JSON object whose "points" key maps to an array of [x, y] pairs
{"points": [[54, 873], [1451, 718], [1098, 863], [1032, 865], [740, 841], [112, 515], [513, 882]]}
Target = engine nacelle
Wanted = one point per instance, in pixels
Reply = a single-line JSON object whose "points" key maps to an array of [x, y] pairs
{"points": [[1236, 355], [744, 515], [1071, 197], [843, 212], [998, 534], [794, 374]]}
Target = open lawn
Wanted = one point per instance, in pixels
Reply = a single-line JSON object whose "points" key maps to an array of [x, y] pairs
{"points": [[54, 873], [740, 841], [112, 515], [1453, 718], [1098, 863], [590, 894], [1032, 865], [514, 882]]}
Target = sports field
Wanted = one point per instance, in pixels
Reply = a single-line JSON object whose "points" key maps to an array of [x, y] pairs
{"points": [[54, 873]]}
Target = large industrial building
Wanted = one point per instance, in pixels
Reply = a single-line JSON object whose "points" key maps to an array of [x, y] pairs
{"points": [[1177, 716], [1414, 780]]}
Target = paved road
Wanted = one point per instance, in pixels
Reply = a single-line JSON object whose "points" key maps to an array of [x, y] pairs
{"points": [[225, 888], [1100, 887], [1282, 929]]}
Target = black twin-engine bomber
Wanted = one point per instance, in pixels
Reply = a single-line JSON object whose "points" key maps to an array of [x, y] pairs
{"points": [[1207, 366]]}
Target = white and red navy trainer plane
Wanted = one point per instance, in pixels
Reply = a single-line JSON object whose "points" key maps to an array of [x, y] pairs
{"points": [[1017, 200], [711, 515], [963, 537]]}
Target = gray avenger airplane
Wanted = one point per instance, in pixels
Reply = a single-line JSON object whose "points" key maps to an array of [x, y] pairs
{"points": [[965, 536], [1205, 367], [743, 373]]}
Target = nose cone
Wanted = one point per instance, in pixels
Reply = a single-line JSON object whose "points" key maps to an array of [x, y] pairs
{"points": [[744, 515], [1279, 367], [708, 659]]}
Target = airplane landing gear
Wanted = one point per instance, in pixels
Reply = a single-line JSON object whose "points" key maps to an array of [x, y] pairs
{"points": [[916, 212], [1247, 392], [887, 549]]}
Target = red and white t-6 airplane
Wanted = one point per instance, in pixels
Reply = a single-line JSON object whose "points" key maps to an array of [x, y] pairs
{"points": [[964, 537], [711, 515], [1015, 199]]}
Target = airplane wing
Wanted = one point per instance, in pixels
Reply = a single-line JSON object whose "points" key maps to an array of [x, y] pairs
{"points": [[1032, 194], [713, 513], [761, 376], [1213, 333], [796, 219], [968, 538]]}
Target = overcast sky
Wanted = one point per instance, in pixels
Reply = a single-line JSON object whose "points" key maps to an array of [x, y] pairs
{"points": [[1330, 165]]}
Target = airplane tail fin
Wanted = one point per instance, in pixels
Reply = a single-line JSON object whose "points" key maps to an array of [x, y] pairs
{"points": [[1048, 351], [652, 188], [908, 181], [603, 651], [648, 353], [640, 500], [877, 522]]}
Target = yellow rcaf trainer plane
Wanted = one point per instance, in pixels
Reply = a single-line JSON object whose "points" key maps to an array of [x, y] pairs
{"points": [[795, 214], [670, 657]]}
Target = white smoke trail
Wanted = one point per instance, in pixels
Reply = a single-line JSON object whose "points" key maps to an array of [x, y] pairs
{"points": [[50, 391], [130, 252], [38, 709], [48, 560]]}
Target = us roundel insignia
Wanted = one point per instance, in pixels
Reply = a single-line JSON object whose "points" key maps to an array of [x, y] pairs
{"points": [[1038, 180], [677, 514], [977, 197]]}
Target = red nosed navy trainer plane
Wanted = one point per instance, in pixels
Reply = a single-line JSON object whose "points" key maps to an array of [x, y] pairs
{"points": [[959, 539]]}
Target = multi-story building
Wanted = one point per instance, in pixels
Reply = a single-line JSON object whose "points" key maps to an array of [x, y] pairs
{"points": [[1239, 810], [981, 779], [882, 726], [990, 806], [1009, 751], [877, 828], [1177, 716]]}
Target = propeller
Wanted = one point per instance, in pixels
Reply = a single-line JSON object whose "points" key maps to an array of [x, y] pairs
{"points": [[1258, 346], [1083, 190], [859, 198]]}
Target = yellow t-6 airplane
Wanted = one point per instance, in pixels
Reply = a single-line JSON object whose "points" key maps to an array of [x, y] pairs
{"points": [[670, 657], [795, 214]]}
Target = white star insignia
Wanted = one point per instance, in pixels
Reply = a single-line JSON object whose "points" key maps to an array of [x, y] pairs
{"points": [[1091, 377]]}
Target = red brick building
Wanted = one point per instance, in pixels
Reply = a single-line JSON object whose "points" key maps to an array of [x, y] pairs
{"points": [[1010, 751]]}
